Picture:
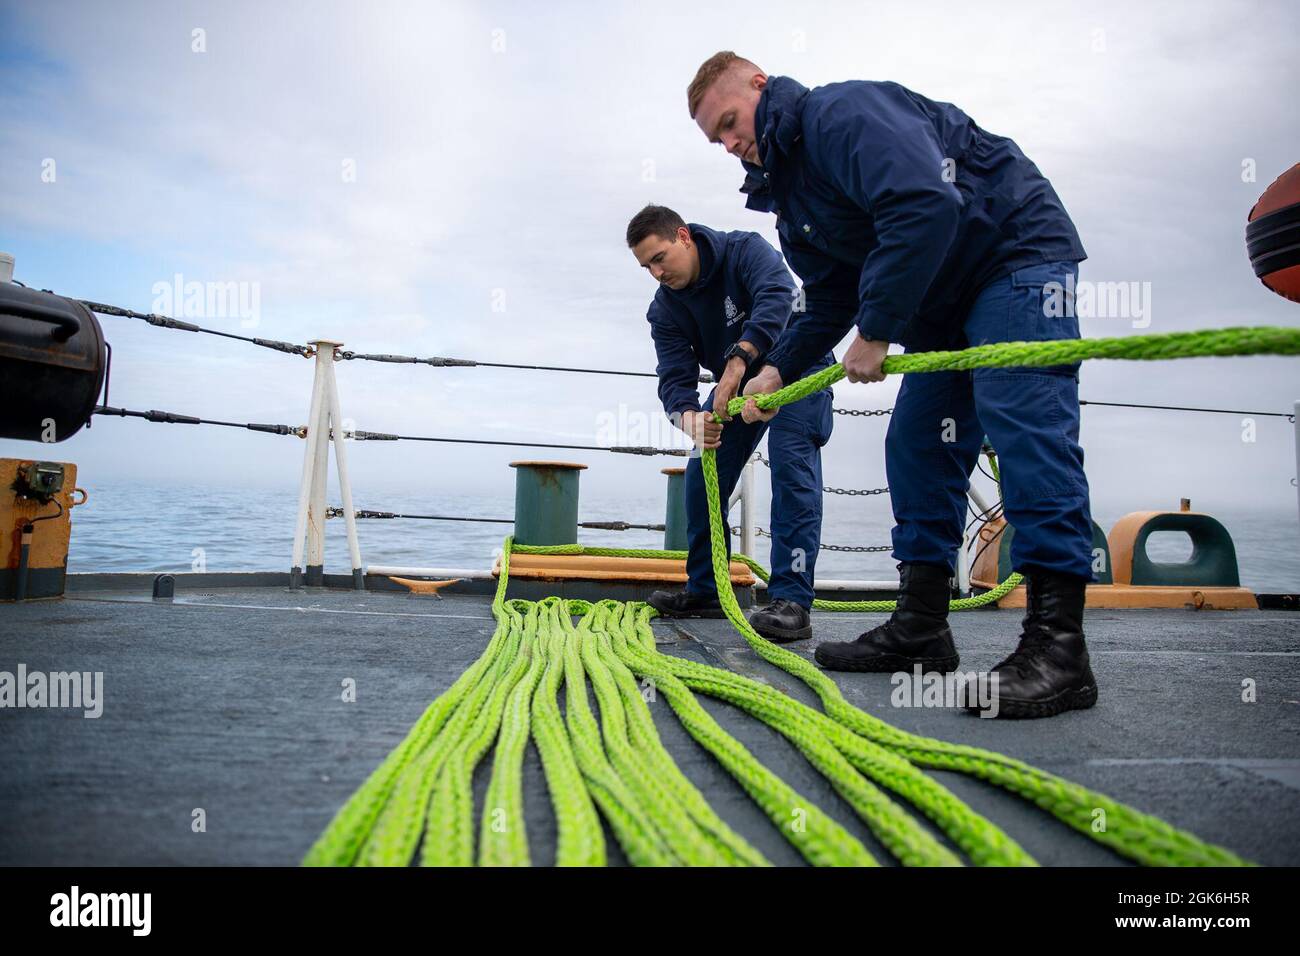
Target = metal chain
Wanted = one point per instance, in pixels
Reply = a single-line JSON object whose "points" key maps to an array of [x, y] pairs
{"points": [[862, 412], [851, 548], [856, 492], [851, 492]]}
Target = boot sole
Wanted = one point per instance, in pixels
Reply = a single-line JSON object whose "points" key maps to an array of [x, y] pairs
{"points": [[783, 635], [888, 663], [1080, 698]]}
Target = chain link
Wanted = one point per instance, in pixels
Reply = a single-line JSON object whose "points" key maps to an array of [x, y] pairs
{"points": [[851, 548], [851, 492], [862, 412]]}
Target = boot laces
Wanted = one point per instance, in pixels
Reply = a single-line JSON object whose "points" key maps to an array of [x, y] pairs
{"points": [[882, 630], [1034, 646]]}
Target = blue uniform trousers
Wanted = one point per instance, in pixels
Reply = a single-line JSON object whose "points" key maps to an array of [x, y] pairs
{"points": [[1031, 417]]}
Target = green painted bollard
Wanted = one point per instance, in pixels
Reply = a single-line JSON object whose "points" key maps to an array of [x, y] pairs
{"points": [[1101, 570], [1213, 561], [675, 517], [546, 502]]}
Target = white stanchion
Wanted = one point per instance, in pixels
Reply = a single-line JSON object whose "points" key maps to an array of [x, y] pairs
{"points": [[308, 467], [324, 422], [747, 508]]}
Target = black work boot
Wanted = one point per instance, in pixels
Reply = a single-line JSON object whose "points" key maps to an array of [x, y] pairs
{"points": [[1049, 672], [686, 604], [916, 633], [782, 621]]}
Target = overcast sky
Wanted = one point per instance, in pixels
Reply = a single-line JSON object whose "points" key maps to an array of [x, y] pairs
{"points": [[454, 179]]}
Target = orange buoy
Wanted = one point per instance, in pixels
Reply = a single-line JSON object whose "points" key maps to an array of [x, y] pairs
{"points": [[1273, 235]]}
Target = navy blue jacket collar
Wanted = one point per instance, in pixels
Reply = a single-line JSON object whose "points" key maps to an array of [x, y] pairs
{"points": [[778, 123]]}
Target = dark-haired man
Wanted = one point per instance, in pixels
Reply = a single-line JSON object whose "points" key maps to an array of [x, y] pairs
{"points": [[907, 220], [723, 299]]}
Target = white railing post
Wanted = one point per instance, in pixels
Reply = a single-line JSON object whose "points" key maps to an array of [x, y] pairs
{"points": [[324, 422], [345, 484], [318, 437], [747, 509], [308, 467], [735, 494]]}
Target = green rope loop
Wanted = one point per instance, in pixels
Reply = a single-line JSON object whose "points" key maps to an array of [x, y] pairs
{"points": [[418, 804]]}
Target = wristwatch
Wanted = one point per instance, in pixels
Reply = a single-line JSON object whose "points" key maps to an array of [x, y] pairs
{"points": [[735, 350]]}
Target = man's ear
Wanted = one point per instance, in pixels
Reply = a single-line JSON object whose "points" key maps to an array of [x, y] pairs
{"points": [[683, 235], [758, 81]]}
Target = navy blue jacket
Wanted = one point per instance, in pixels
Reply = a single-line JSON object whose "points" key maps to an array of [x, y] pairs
{"points": [[894, 210], [744, 293]]}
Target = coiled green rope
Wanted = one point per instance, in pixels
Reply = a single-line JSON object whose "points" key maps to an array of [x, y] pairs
{"points": [[418, 802]]}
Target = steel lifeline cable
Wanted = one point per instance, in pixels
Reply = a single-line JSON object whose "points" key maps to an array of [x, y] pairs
{"points": [[418, 804]]}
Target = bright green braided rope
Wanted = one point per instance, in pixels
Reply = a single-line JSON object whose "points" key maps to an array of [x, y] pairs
{"points": [[418, 802], [1243, 340], [503, 838]]}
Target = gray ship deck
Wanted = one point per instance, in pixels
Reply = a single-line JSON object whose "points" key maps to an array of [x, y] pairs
{"points": [[229, 700]]}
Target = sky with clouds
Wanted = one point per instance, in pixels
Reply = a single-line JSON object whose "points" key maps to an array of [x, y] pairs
{"points": [[454, 179]]}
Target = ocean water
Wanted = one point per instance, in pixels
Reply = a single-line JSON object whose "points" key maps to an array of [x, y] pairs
{"points": [[130, 527]]}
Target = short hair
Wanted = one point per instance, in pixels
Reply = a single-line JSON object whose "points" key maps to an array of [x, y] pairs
{"points": [[653, 221], [709, 72]]}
